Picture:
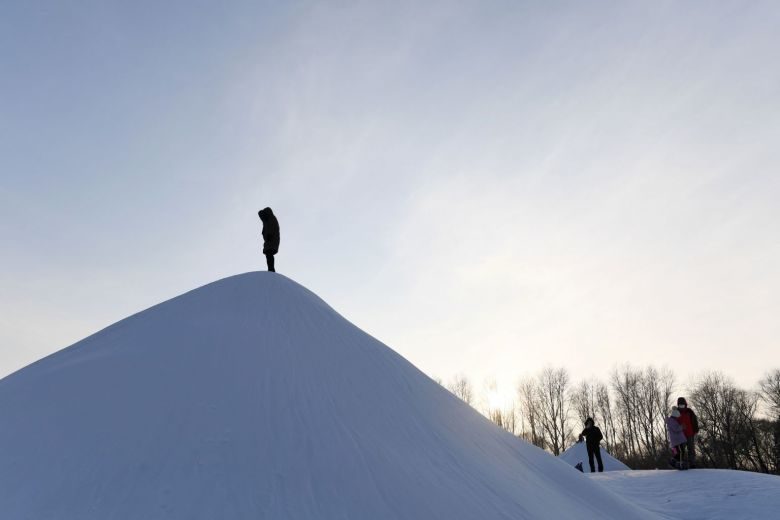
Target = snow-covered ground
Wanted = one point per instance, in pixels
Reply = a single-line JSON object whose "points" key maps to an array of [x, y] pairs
{"points": [[579, 453], [250, 398], [699, 494]]}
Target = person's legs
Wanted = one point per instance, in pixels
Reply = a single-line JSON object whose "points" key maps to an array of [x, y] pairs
{"points": [[269, 259], [590, 458], [597, 450], [683, 455], [692, 451]]}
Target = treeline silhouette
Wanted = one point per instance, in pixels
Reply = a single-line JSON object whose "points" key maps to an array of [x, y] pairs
{"points": [[740, 427]]}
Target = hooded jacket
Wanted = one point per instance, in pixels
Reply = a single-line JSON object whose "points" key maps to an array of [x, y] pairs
{"points": [[271, 236], [688, 419], [592, 435]]}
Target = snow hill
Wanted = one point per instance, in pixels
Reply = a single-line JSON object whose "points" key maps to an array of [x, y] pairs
{"points": [[250, 398], [578, 452]]}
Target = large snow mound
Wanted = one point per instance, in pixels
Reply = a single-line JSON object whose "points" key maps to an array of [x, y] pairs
{"points": [[250, 398], [578, 452], [699, 494]]}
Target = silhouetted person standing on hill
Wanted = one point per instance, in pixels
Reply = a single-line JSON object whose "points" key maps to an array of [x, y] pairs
{"points": [[593, 436], [270, 236]]}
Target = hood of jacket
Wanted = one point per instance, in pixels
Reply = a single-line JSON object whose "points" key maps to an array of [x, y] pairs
{"points": [[265, 213]]}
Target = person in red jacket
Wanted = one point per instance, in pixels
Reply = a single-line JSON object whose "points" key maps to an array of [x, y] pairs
{"points": [[690, 424]]}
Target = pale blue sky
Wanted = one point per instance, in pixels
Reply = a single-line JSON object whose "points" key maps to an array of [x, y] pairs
{"points": [[488, 187]]}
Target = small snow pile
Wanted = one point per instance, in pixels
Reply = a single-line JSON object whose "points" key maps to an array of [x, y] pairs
{"points": [[711, 494], [250, 398], [579, 453]]}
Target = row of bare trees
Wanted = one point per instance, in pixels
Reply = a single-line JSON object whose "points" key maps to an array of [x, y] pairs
{"points": [[740, 428]]}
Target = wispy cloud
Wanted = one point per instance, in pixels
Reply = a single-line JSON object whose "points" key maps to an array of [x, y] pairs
{"points": [[488, 187]]}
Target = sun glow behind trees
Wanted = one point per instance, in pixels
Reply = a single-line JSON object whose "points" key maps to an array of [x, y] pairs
{"points": [[630, 406], [499, 397]]}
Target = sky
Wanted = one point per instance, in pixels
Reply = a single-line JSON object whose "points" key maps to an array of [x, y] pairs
{"points": [[488, 187]]}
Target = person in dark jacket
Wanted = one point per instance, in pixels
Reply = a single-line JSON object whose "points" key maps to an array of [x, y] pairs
{"points": [[690, 424], [593, 436], [270, 236]]}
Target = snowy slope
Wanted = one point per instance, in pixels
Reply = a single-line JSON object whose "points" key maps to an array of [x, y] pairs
{"points": [[699, 494], [251, 398], [578, 452]]}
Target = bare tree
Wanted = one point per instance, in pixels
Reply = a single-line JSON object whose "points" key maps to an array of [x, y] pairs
{"points": [[625, 384], [592, 399], [729, 430], [505, 418], [461, 387], [503, 414], [605, 417], [529, 411], [552, 390], [770, 394], [770, 391], [584, 400], [655, 391]]}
